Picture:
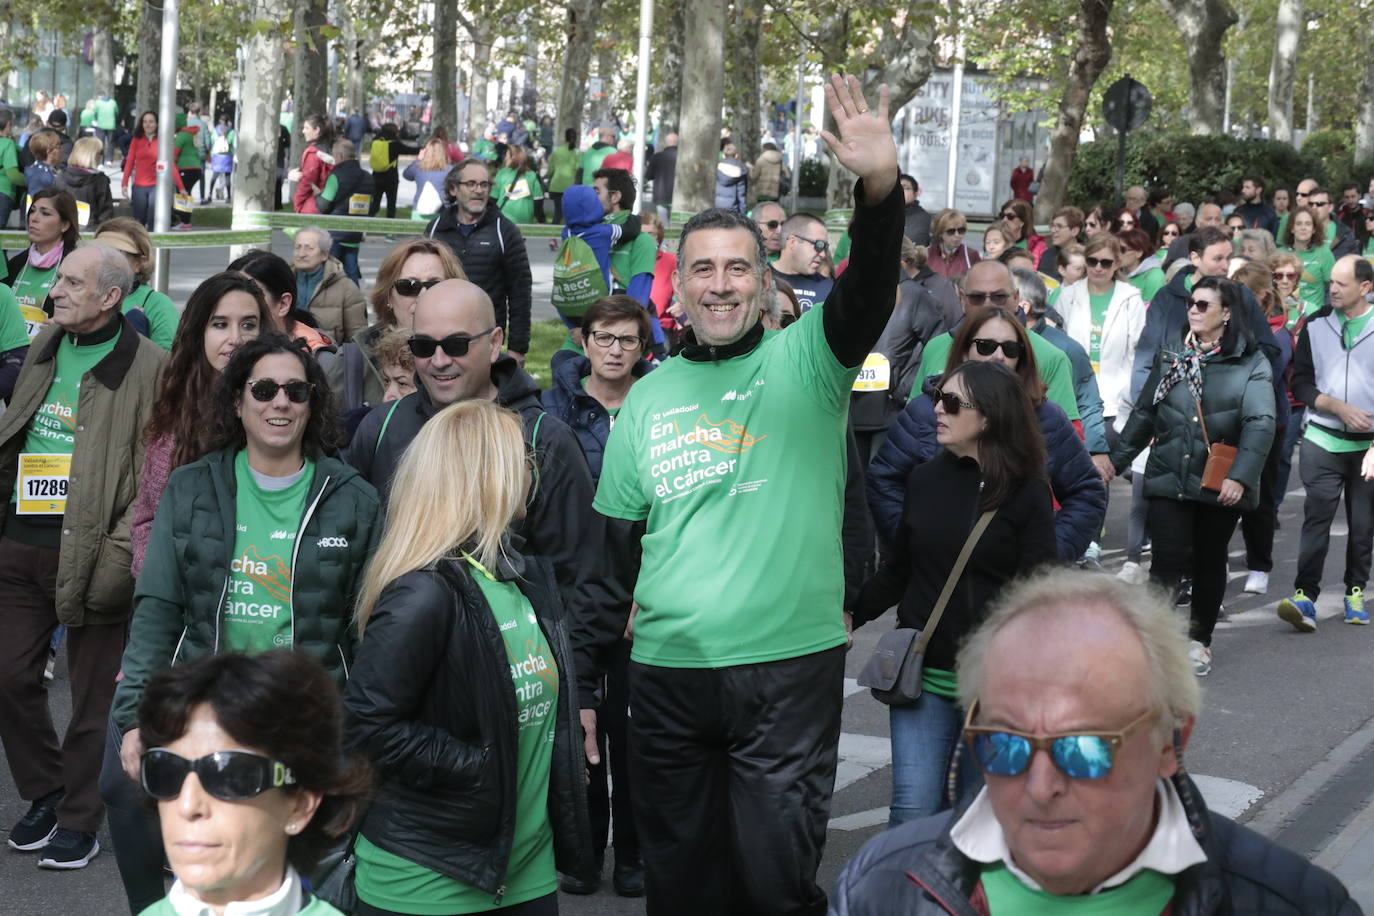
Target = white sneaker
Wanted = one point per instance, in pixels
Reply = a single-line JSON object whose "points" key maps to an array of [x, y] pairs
{"points": [[1201, 657], [1257, 583], [1133, 573]]}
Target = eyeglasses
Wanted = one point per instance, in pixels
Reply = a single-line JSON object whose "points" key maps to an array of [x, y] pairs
{"points": [[265, 389], [1003, 752], [1285, 275], [628, 342], [1100, 262], [986, 346], [952, 403], [956, 230], [1199, 305], [819, 244], [1127, 223], [227, 775], [455, 345], [980, 298], [1010, 214], [475, 185], [409, 286]]}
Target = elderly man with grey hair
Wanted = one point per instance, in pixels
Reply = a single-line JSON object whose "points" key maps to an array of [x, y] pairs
{"points": [[323, 288], [71, 448], [1080, 700]]}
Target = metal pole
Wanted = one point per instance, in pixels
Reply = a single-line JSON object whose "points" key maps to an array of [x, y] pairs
{"points": [[646, 34], [796, 134], [956, 105], [166, 132]]}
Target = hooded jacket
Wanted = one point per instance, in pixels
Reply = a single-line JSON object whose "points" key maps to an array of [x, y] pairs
{"points": [[493, 256], [732, 185], [582, 217], [316, 164], [768, 174], [91, 187], [1121, 328], [179, 602], [567, 400]]}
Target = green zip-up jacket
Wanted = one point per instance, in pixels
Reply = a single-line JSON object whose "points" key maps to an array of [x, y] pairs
{"points": [[179, 601]]}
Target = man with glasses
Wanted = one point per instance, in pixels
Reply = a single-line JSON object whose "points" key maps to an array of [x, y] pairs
{"points": [[804, 244], [1065, 227], [1079, 704], [769, 217], [1338, 235], [490, 248]]}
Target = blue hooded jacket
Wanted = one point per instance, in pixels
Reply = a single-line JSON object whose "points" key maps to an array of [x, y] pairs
{"points": [[582, 214]]}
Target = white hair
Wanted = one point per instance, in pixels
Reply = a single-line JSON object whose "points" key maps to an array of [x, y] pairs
{"points": [[112, 270], [323, 240]]}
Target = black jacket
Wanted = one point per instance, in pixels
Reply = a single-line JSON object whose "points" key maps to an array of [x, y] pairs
{"points": [[89, 187], [661, 171], [914, 321], [352, 179], [493, 256], [559, 523], [916, 870], [916, 224], [430, 703]]}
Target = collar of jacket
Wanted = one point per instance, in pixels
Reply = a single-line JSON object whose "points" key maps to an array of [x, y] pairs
{"points": [[111, 370], [704, 353]]}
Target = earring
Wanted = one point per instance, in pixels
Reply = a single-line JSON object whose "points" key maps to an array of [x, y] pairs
{"points": [[291, 828]]}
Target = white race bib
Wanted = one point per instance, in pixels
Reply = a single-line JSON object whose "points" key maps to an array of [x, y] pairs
{"points": [[43, 483]]}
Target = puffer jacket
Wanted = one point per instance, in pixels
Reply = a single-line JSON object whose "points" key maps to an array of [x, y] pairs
{"points": [[94, 585], [179, 602], [767, 175], [1238, 406], [916, 870], [732, 185], [1075, 482], [90, 187], [567, 400], [430, 703], [1121, 328], [337, 304], [493, 256]]}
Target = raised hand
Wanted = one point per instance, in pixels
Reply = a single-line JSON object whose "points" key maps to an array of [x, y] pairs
{"points": [[865, 144]]}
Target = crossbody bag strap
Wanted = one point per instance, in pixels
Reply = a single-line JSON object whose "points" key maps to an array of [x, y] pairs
{"points": [[954, 575], [1206, 439]]}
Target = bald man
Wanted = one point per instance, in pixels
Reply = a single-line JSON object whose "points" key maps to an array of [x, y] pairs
{"points": [[457, 347]]}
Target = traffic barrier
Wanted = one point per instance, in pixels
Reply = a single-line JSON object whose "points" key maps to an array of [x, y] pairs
{"points": [[214, 238], [374, 225]]}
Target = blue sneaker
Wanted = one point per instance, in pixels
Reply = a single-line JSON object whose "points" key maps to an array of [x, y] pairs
{"points": [[1354, 608], [1300, 612]]}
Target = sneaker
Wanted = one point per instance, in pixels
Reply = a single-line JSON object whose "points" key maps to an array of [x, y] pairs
{"points": [[36, 828], [1256, 583], [1133, 573], [1300, 612], [69, 849], [1354, 607], [1201, 657], [1092, 557]]}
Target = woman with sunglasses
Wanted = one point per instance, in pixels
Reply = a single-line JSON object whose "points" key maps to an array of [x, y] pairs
{"points": [[1209, 384], [948, 256], [273, 791], [1019, 218], [993, 335], [990, 458], [461, 694], [1105, 314], [1168, 234], [1305, 236], [1140, 263]]}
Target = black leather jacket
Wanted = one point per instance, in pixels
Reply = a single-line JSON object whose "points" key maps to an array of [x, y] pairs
{"points": [[916, 870], [430, 703]]}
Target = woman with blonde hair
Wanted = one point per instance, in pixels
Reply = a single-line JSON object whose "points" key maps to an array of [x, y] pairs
{"points": [[428, 172], [459, 693], [85, 181]]}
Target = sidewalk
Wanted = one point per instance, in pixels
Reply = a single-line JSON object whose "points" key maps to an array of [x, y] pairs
{"points": [[1351, 856]]}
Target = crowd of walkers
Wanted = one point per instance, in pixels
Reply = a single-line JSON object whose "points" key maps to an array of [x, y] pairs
{"points": [[432, 640]]}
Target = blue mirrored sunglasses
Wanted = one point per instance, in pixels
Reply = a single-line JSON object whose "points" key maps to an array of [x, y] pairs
{"points": [[1002, 752]]}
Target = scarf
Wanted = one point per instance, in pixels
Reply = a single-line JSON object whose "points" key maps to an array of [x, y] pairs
{"points": [[44, 261], [1187, 367]]}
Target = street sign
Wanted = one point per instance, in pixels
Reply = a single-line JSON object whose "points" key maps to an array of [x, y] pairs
{"points": [[1126, 105]]}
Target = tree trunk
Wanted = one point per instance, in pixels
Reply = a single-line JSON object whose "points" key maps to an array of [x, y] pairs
{"points": [[1364, 120], [312, 95], [477, 104], [149, 57], [703, 85], [577, 60], [444, 98], [1203, 25], [1094, 52], [102, 54], [1283, 69], [671, 67], [605, 70], [264, 84], [746, 117]]}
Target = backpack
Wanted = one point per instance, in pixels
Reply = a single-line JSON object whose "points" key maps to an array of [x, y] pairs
{"points": [[221, 144], [578, 280], [381, 155]]}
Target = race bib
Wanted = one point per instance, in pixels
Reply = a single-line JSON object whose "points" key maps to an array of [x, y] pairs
{"points": [[876, 374], [358, 204], [519, 191], [83, 213], [182, 203], [42, 487], [34, 318]]}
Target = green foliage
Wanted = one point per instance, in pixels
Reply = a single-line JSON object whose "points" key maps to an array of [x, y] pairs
{"points": [[1194, 168], [815, 173], [1335, 149]]}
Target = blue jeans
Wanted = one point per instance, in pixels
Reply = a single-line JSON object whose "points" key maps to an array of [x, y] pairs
{"points": [[348, 257], [143, 201], [924, 736]]}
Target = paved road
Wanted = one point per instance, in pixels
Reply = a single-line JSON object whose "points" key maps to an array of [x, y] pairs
{"points": [[1284, 741]]}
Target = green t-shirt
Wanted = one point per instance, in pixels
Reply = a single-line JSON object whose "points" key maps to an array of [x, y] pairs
{"points": [[1350, 332], [630, 259], [1054, 367], [87, 117], [163, 316], [1098, 303], [391, 882], [562, 168], [940, 681], [32, 285], [714, 455], [257, 605], [106, 113], [1369, 248], [14, 332], [9, 159], [841, 248], [592, 159], [52, 429], [516, 196], [1145, 894], [316, 907], [1149, 283], [188, 153], [1316, 273], [1053, 296]]}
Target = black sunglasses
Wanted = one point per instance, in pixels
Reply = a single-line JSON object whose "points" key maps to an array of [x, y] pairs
{"points": [[455, 345], [986, 346], [1099, 262], [951, 402], [1199, 305], [1010, 214], [819, 244], [409, 286], [979, 298], [265, 389], [956, 230], [771, 224], [227, 775]]}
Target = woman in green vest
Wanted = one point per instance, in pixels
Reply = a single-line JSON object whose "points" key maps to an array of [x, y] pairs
{"points": [[518, 192], [1305, 236], [461, 692], [273, 791], [563, 163], [54, 231], [129, 236]]}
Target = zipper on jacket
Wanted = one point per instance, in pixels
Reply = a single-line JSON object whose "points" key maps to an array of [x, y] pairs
{"points": [[295, 551], [219, 613], [500, 895]]}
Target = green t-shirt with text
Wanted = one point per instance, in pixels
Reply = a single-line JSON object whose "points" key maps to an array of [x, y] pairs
{"points": [[738, 468], [1147, 893], [630, 259], [1098, 303], [1052, 362], [31, 285], [162, 314], [392, 882], [257, 605]]}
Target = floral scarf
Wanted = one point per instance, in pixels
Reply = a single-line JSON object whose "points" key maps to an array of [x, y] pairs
{"points": [[1187, 367]]}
